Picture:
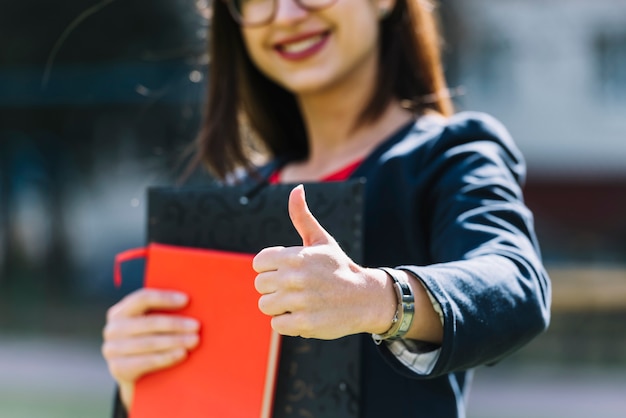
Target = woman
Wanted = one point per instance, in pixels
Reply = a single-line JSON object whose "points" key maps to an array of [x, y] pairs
{"points": [[331, 89]]}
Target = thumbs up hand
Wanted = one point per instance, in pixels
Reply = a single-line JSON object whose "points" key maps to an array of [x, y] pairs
{"points": [[316, 290]]}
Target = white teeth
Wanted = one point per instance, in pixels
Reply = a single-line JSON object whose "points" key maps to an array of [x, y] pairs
{"points": [[297, 47]]}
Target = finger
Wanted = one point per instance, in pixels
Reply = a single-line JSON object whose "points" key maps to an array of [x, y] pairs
{"points": [[266, 259], [149, 324], [303, 220], [131, 368], [266, 282], [144, 300], [288, 324], [148, 345], [275, 304]]}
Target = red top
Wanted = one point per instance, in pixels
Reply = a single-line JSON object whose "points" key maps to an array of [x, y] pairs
{"points": [[339, 175]]}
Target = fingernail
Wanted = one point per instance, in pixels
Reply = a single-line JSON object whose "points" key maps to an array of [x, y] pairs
{"points": [[191, 324], [179, 353], [179, 298]]}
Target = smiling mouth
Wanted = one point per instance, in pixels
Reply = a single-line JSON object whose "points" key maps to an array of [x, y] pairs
{"points": [[303, 47]]}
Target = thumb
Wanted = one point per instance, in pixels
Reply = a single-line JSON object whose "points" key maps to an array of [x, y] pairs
{"points": [[303, 220]]}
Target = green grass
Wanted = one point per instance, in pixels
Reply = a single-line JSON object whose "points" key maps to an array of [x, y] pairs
{"points": [[24, 404]]}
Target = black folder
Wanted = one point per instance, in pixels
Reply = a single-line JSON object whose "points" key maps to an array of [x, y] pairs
{"points": [[315, 378]]}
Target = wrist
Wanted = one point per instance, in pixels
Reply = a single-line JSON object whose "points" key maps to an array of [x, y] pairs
{"points": [[381, 306], [126, 391]]}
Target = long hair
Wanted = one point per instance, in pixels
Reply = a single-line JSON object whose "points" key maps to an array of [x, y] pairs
{"points": [[247, 113]]}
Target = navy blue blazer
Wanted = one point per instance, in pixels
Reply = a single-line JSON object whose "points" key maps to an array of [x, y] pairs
{"points": [[444, 201]]}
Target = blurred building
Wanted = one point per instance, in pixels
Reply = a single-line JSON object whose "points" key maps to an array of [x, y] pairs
{"points": [[555, 73]]}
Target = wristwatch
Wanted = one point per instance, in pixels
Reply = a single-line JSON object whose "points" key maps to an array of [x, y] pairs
{"points": [[405, 310]]}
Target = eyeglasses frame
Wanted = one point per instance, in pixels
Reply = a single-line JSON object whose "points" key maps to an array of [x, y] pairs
{"points": [[239, 19]]}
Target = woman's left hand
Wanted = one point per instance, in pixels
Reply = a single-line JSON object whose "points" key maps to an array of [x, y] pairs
{"points": [[316, 290]]}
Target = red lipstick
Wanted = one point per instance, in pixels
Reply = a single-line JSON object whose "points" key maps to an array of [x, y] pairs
{"points": [[301, 47]]}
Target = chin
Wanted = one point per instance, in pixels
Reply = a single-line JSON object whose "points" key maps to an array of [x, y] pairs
{"points": [[304, 82], [314, 85]]}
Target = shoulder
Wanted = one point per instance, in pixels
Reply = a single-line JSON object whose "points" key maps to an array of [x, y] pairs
{"points": [[476, 136], [480, 129], [462, 128], [464, 123], [437, 143], [431, 132]]}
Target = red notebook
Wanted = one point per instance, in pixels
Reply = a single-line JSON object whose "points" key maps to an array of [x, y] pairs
{"points": [[231, 373]]}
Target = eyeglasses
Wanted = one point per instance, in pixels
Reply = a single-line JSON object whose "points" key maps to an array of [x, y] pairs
{"points": [[262, 12]]}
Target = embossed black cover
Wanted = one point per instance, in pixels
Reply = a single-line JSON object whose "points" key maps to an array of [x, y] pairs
{"points": [[315, 378]]}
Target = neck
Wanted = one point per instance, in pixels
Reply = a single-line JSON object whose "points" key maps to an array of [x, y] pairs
{"points": [[334, 143], [331, 117]]}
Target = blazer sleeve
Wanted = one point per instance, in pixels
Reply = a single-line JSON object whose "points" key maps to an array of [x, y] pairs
{"points": [[487, 274]]}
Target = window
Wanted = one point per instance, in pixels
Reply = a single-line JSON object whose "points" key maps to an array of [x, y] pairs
{"points": [[609, 49]]}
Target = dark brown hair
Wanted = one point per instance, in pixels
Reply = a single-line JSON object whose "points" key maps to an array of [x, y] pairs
{"points": [[246, 112]]}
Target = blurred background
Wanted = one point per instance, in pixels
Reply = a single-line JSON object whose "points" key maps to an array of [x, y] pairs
{"points": [[99, 100]]}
